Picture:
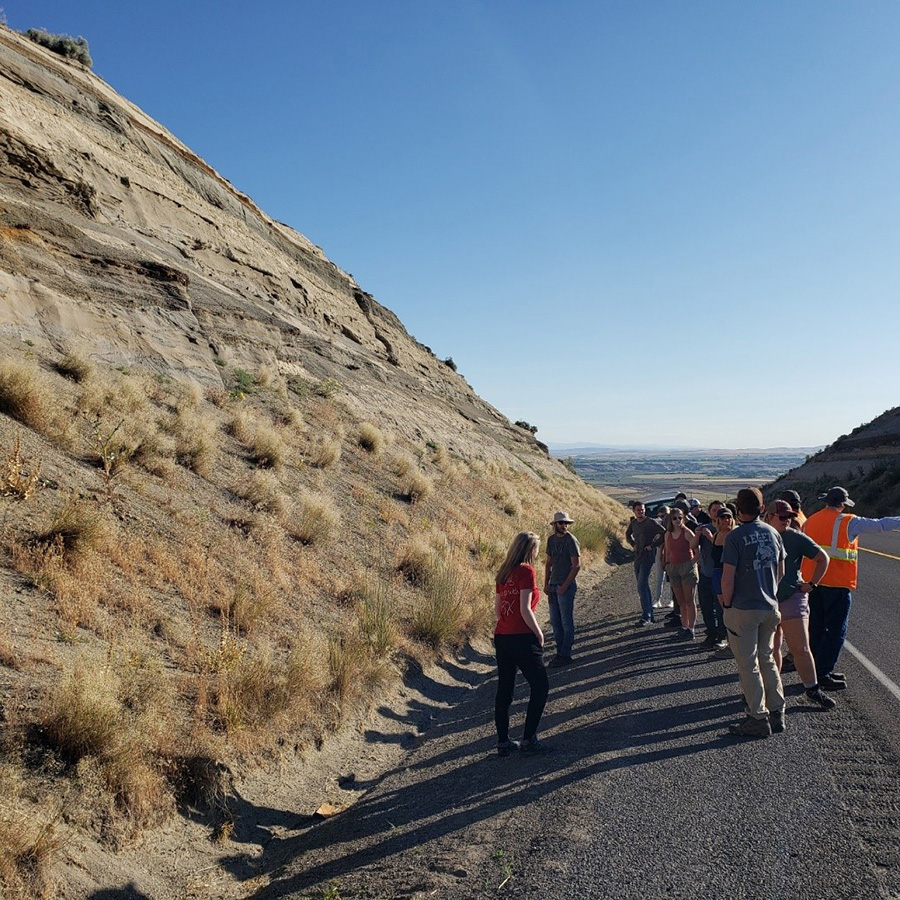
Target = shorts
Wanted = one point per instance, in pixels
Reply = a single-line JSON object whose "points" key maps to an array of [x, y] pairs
{"points": [[684, 574], [717, 581], [795, 607]]}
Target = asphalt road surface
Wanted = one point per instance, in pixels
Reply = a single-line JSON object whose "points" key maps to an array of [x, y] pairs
{"points": [[642, 795]]}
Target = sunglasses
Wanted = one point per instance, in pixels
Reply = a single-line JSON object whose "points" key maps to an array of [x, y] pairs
{"points": [[785, 518]]}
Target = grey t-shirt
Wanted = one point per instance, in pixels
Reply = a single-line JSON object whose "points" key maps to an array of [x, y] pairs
{"points": [[561, 549], [754, 549], [796, 546]]}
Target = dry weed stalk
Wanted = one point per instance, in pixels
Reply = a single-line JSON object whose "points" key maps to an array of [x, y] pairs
{"points": [[19, 477]]}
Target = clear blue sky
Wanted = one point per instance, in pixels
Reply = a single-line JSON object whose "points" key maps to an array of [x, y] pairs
{"points": [[628, 222]]}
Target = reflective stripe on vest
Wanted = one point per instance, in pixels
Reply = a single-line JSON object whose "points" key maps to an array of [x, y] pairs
{"points": [[835, 552], [842, 552]]}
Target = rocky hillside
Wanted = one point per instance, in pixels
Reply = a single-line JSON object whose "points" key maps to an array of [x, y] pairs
{"points": [[247, 520], [866, 462], [116, 235]]}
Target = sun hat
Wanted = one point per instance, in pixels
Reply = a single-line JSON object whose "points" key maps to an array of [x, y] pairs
{"points": [[837, 496], [562, 517]]}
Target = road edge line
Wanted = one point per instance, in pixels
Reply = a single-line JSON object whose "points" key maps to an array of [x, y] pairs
{"points": [[874, 670]]}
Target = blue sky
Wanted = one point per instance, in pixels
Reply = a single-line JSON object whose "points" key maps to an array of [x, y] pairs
{"points": [[628, 222]]}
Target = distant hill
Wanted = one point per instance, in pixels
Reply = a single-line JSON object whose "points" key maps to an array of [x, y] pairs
{"points": [[866, 462]]}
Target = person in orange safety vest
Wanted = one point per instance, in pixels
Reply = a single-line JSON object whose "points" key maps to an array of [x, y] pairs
{"points": [[837, 533]]}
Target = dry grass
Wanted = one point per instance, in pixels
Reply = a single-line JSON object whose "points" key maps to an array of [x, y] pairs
{"points": [[28, 842], [267, 449], [401, 463], [262, 490], [215, 593], [27, 396], [441, 613], [76, 367], [418, 486], [377, 616], [314, 520], [324, 452], [18, 475], [370, 438], [242, 425]]}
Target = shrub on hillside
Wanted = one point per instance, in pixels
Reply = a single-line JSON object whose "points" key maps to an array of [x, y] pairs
{"points": [[65, 45], [75, 366], [370, 438], [26, 396]]}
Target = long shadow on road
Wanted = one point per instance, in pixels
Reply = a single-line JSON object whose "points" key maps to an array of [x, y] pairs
{"points": [[595, 725]]}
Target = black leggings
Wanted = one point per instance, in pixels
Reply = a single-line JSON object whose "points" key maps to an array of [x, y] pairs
{"points": [[519, 651]]}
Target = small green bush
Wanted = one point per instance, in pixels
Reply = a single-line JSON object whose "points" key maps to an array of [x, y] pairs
{"points": [[63, 44]]}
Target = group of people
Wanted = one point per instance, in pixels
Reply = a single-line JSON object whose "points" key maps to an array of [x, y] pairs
{"points": [[761, 577]]}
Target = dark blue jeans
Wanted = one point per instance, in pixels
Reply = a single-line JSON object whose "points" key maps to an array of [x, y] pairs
{"points": [[642, 567], [519, 651], [829, 615], [562, 618], [709, 607]]}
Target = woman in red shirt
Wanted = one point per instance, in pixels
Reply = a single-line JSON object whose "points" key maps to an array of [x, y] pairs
{"points": [[519, 643]]}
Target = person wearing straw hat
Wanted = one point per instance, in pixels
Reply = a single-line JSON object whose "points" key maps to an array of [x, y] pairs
{"points": [[562, 564]]}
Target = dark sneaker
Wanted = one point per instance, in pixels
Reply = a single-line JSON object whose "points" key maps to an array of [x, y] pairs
{"points": [[504, 748], [776, 721], [673, 623], [532, 745], [643, 623], [709, 642], [558, 661], [838, 676], [787, 665], [816, 695], [751, 728], [832, 684], [723, 652], [686, 634]]}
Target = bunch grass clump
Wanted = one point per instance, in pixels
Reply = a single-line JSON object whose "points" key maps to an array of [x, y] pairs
{"points": [[324, 452], [314, 520], [26, 395], [593, 534], [370, 438], [75, 366]]}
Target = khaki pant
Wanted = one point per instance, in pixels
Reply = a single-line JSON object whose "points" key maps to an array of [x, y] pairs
{"points": [[751, 636]]}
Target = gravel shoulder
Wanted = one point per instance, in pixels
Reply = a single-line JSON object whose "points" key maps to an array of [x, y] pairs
{"points": [[640, 795]]}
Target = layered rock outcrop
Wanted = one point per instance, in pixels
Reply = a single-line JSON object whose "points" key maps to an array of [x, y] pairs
{"points": [[118, 239]]}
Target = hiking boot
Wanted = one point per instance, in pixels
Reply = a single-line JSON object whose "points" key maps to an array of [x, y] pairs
{"points": [[752, 728], [776, 721], [558, 661], [832, 684], [724, 653], [532, 745], [816, 695], [504, 748]]}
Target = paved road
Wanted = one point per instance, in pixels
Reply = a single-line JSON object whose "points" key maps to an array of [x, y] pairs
{"points": [[875, 618], [643, 795]]}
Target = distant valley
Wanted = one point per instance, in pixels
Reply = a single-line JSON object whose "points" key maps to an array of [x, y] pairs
{"points": [[627, 473]]}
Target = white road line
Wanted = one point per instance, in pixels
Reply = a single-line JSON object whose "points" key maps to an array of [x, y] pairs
{"points": [[874, 670]]}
